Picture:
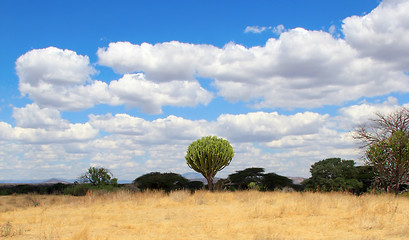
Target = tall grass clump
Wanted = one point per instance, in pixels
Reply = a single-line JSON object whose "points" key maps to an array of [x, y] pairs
{"points": [[8, 230]]}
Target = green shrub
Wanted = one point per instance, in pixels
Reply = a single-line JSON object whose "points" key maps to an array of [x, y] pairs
{"points": [[4, 191], [77, 190], [82, 189], [161, 181]]}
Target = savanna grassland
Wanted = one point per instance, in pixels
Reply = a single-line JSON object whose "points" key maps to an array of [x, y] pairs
{"points": [[204, 215]]}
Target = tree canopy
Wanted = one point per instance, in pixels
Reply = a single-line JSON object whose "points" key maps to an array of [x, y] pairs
{"points": [[333, 174], [386, 143], [390, 158], [98, 176], [241, 179], [161, 181], [271, 181], [208, 156]]}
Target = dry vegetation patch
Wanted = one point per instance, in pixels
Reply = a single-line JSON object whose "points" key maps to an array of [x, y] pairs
{"points": [[206, 215]]}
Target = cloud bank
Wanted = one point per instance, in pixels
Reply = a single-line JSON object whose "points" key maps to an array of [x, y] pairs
{"points": [[299, 69]]}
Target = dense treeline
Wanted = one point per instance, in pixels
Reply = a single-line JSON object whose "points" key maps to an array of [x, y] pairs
{"points": [[57, 188], [333, 174], [255, 178]]}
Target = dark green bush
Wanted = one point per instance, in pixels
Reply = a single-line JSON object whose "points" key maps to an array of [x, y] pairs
{"points": [[77, 190], [5, 191], [161, 181], [272, 181], [195, 185]]}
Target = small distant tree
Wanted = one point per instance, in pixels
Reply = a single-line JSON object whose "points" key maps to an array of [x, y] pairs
{"points": [[162, 181], [208, 156], [333, 174], [241, 179], [98, 176]]}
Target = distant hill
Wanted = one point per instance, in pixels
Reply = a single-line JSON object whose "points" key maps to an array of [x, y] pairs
{"points": [[197, 177], [49, 181], [192, 175], [55, 181], [297, 180]]}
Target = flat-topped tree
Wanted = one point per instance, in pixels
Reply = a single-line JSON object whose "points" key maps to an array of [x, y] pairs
{"points": [[208, 156]]}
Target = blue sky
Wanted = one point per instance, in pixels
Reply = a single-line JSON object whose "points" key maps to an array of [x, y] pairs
{"points": [[128, 85]]}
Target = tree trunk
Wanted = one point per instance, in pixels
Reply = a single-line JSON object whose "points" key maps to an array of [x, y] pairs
{"points": [[397, 189], [210, 183]]}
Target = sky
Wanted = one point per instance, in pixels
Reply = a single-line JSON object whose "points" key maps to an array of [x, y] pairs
{"points": [[128, 85]]}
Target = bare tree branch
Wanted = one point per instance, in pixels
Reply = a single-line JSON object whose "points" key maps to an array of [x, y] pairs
{"points": [[386, 141]]}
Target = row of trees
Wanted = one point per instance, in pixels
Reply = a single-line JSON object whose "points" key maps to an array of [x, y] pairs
{"points": [[327, 175], [250, 178], [385, 140], [333, 174]]}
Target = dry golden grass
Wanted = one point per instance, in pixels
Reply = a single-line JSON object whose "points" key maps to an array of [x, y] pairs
{"points": [[248, 215]]}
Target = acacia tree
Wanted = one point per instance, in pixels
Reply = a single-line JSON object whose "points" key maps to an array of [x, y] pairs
{"points": [[164, 181], [98, 176], [208, 156], [242, 179], [386, 141], [333, 174], [271, 181]]}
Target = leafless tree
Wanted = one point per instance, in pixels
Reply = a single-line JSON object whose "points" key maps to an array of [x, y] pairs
{"points": [[382, 127], [386, 143]]}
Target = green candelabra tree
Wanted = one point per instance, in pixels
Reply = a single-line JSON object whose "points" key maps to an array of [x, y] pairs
{"points": [[208, 156]]}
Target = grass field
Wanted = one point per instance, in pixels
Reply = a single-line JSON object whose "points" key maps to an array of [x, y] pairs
{"points": [[248, 215]]}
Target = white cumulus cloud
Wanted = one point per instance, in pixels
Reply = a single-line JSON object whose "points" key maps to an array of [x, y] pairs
{"points": [[166, 61], [382, 34], [135, 90], [60, 79], [301, 68], [265, 127], [32, 116], [35, 125], [52, 66]]}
